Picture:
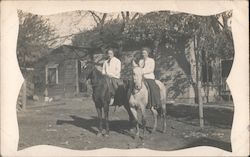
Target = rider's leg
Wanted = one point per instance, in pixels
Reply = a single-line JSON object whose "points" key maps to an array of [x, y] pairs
{"points": [[113, 88], [155, 93], [149, 105]]}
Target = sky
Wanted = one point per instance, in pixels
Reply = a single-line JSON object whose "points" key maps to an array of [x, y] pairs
{"points": [[74, 22]]}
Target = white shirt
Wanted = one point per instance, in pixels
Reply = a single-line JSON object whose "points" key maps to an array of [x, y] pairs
{"points": [[112, 68], [148, 67]]}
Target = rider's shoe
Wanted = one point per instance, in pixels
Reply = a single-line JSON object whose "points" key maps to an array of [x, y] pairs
{"points": [[148, 106], [156, 107]]}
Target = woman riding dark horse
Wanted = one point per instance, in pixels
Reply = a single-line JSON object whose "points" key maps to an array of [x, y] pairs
{"points": [[102, 95]]}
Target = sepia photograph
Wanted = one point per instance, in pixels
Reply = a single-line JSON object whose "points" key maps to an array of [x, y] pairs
{"points": [[125, 80]]}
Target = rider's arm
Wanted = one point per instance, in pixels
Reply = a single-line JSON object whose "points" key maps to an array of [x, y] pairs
{"points": [[104, 68], [118, 68], [149, 67]]}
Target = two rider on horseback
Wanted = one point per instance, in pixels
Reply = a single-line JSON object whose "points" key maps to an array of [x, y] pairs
{"points": [[112, 69]]}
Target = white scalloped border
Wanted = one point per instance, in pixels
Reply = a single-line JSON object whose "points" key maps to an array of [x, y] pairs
{"points": [[11, 77]]}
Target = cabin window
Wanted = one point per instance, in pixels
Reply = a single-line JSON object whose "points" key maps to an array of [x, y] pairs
{"points": [[52, 74]]}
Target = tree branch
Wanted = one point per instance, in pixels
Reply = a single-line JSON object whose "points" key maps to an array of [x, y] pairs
{"points": [[103, 19], [127, 16], [123, 16], [133, 18], [217, 20], [95, 16]]}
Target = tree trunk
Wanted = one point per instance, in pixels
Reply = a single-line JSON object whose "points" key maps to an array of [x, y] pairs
{"points": [[198, 81], [200, 105], [77, 77], [207, 83]]}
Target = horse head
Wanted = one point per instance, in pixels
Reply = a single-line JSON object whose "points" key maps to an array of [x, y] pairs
{"points": [[86, 71], [137, 77]]}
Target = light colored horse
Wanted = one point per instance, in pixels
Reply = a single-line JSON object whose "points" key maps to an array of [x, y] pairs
{"points": [[139, 100]]}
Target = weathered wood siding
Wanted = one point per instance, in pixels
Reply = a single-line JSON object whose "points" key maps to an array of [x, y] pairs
{"points": [[70, 77], [67, 72]]}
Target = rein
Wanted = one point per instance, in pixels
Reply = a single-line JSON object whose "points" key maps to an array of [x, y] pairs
{"points": [[94, 83], [97, 84], [139, 89]]}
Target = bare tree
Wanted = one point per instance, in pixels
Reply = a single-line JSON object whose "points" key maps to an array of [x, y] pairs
{"points": [[33, 36], [99, 19]]}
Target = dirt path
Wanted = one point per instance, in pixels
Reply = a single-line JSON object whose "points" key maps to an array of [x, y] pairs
{"points": [[73, 125]]}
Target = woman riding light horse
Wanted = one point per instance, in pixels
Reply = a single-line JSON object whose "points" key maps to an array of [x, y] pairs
{"points": [[139, 98]]}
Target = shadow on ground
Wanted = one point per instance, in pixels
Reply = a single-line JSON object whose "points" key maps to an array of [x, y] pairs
{"points": [[119, 126], [218, 117], [181, 119]]}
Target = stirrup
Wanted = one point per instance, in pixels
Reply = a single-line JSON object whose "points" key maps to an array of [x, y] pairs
{"points": [[148, 106], [156, 107], [111, 103]]}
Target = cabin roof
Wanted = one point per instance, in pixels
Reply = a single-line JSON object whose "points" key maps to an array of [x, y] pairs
{"points": [[67, 52]]}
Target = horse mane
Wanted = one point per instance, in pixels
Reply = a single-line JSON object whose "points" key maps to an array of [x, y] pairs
{"points": [[96, 71], [96, 75]]}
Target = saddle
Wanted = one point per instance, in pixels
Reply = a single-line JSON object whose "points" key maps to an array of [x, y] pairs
{"points": [[149, 94], [111, 86], [114, 89], [154, 98]]}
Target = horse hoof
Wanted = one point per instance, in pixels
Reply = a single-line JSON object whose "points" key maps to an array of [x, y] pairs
{"points": [[99, 134], [136, 137], [142, 138]]}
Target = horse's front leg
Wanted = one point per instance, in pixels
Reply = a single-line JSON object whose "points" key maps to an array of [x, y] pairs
{"points": [[143, 111], [155, 113], [130, 114], [106, 116], [99, 113], [134, 112]]}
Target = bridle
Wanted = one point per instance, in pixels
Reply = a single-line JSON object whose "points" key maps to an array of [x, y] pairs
{"points": [[142, 81], [89, 72], [139, 89]]}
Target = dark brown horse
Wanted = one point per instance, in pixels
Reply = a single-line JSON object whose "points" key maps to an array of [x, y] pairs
{"points": [[101, 95]]}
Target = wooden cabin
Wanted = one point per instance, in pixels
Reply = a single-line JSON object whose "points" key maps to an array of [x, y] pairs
{"points": [[57, 74]]}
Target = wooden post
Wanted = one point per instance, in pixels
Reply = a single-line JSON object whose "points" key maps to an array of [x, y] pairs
{"points": [[77, 77], [46, 75], [198, 81], [207, 71], [57, 74], [200, 105]]}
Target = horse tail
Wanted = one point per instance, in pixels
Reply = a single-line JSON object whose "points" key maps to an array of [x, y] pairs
{"points": [[163, 92]]}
